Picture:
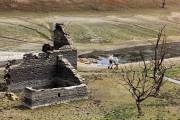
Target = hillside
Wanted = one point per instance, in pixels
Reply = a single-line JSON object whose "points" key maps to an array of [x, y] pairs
{"points": [[54, 5]]}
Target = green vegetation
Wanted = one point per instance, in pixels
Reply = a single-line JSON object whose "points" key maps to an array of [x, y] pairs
{"points": [[108, 101], [92, 30], [108, 29], [121, 112], [174, 73]]}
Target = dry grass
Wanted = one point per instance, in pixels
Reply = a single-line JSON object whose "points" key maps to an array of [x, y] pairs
{"points": [[98, 30], [108, 100], [54, 5]]}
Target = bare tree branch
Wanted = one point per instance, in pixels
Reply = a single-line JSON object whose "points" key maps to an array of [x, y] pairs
{"points": [[147, 81]]}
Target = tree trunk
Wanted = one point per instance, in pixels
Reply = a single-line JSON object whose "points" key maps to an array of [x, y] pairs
{"points": [[163, 3], [138, 105], [159, 85]]}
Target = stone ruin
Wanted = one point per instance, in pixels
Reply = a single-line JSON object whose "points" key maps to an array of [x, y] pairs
{"points": [[50, 77]]}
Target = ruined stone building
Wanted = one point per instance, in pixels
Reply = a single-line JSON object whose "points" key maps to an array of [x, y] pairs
{"points": [[49, 77]]}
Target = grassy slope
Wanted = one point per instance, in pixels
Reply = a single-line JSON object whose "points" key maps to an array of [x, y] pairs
{"points": [[108, 100], [174, 72], [99, 30], [45, 5], [134, 21]]}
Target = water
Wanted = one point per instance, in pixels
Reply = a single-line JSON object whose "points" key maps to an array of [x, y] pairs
{"points": [[132, 54], [104, 61]]}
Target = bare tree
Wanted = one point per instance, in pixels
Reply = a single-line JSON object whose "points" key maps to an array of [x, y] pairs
{"points": [[163, 3], [146, 81]]}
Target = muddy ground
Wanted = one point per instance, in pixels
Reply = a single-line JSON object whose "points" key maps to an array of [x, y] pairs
{"points": [[132, 54]]}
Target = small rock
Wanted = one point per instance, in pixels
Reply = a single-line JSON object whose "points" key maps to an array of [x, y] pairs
{"points": [[11, 96], [87, 62], [83, 60]]}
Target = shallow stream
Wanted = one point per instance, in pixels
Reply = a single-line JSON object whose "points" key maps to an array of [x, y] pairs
{"points": [[131, 54]]}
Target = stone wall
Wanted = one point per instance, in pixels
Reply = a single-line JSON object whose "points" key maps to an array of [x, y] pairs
{"points": [[35, 98], [49, 77], [66, 74], [70, 55], [38, 70]]}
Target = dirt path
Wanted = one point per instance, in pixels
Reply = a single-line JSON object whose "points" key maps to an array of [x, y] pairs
{"points": [[172, 80]]}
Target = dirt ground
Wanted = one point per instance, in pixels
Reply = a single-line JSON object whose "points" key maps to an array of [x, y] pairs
{"points": [[95, 31], [107, 100], [100, 30]]}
